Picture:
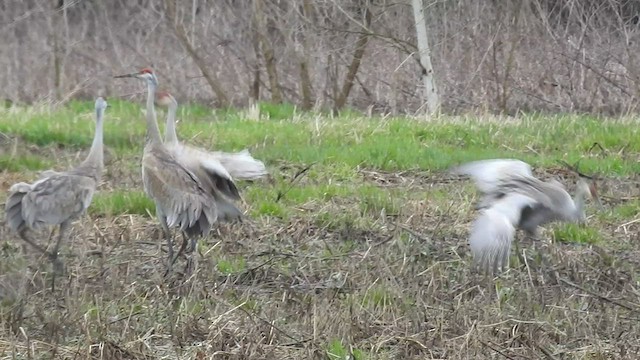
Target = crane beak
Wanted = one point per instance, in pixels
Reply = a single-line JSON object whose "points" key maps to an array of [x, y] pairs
{"points": [[132, 75], [599, 203]]}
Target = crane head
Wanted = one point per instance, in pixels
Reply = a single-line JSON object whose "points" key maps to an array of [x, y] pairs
{"points": [[586, 183], [144, 74], [590, 190], [101, 104], [164, 98]]}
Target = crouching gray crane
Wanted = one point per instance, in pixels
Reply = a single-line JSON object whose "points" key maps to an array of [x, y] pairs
{"points": [[240, 165], [183, 200], [512, 198], [57, 198]]}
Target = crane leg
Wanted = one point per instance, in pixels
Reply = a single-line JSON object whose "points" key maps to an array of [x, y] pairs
{"points": [[166, 232], [58, 266], [185, 239], [25, 237], [190, 265], [193, 244]]}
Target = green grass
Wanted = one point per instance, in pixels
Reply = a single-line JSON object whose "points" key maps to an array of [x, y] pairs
{"points": [[23, 162], [350, 141], [229, 266], [578, 234], [337, 351], [119, 202]]}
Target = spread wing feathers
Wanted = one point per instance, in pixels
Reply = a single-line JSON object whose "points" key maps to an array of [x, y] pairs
{"points": [[241, 165], [220, 177], [179, 194], [488, 174], [51, 200], [212, 170], [550, 194], [493, 232], [227, 211]]}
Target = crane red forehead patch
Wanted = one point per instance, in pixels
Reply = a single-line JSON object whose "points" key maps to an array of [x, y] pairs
{"points": [[146, 71]]}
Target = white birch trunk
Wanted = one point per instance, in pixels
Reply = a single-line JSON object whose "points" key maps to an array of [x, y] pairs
{"points": [[430, 90]]}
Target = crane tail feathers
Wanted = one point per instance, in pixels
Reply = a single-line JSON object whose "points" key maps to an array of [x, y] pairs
{"points": [[13, 206], [203, 224]]}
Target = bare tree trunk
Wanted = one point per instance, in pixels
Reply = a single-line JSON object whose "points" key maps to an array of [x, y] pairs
{"points": [[254, 95], [182, 36], [510, 63], [352, 71], [305, 78], [267, 51], [56, 14], [431, 92]]}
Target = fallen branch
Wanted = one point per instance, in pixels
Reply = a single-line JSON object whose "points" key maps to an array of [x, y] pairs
{"points": [[297, 176], [601, 297]]}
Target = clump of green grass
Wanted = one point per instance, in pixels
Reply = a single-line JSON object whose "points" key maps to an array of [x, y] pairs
{"points": [[575, 233], [378, 296], [277, 111], [627, 210], [231, 265], [23, 162], [375, 201], [337, 351], [272, 209], [120, 202]]}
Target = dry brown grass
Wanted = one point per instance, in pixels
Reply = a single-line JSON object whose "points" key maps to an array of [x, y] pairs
{"points": [[383, 285]]}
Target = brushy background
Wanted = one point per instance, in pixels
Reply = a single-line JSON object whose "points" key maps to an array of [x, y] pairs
{"points": [[499, 56]]}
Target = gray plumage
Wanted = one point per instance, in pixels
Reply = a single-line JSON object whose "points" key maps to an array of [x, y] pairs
{"points": [[182, 199], [215, 170], [57, 198], [237, 165], [513, 198]]}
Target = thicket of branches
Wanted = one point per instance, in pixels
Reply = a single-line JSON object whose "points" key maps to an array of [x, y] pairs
{"points": [[500, 55]]}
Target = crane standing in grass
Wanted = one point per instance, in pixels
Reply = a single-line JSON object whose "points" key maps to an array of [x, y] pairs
{"points": [[513, 198], [57, 198], [214, 169], [182, 199]]}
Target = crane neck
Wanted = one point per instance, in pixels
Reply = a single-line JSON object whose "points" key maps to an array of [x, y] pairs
{"points": [[153, 132], [95, 160], [170, 136], [579, 202]]}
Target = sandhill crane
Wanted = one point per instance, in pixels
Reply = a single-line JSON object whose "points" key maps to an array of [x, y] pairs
{"points": [[182, 199], [240, 165], [57, 198], [513, 198]]}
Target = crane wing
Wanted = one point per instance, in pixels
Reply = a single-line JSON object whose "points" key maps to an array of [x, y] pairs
{"points": [[544, 193], [488, 174], [208, 168], [240, 165], [493, 231], [177, 192]]}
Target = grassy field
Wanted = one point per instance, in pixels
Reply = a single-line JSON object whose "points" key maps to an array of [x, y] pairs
{"points": [[354, 248]]}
